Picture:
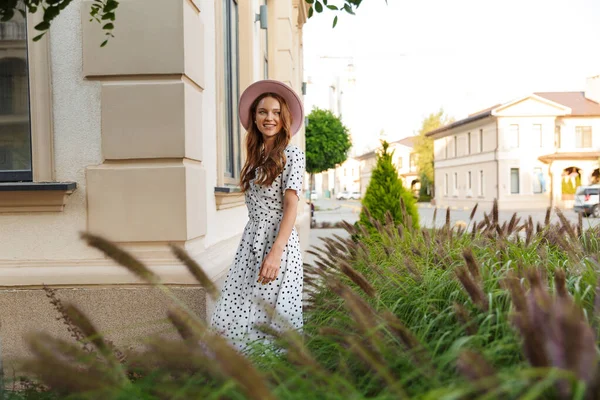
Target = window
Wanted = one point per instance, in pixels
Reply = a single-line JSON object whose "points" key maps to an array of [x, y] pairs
{"points": [[412, 161], [345, 172], [583, 137], [399, 162], [446, 147], [445, 184], [455, 146], [513, 137], [469, 143], [481, 140], [514, 181], [481, 183], [232, 134], [557, 136], [537, 134], [539, 182], [455, 183], [469, 182], [15, 127]]}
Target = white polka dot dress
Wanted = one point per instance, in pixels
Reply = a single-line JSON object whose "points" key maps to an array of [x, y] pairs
{"points": [[244, 302]]}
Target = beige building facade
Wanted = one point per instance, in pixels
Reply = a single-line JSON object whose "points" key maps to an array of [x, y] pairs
{"points": [[404, 158], [138, 141], [529, 153]]}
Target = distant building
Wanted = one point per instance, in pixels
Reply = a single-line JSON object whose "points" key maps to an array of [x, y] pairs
{"points": [[527, 153], [404, 158]]}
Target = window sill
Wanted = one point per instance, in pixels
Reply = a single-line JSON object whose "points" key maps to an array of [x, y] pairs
{"points": [[23, 197], [229, 197]]}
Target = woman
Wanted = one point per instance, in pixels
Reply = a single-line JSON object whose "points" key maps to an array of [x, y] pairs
{"points": [[264, 284]]}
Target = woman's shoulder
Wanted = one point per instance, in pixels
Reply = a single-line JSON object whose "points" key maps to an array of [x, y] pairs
{"points": [[293, 149]]}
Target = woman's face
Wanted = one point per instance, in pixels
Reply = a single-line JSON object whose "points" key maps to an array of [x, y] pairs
{"points": [[268, 117]]}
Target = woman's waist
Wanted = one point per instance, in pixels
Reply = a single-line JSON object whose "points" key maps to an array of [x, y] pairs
{"points": [[262, 214]]}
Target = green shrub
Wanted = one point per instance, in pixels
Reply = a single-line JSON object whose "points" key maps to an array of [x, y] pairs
{"points": [[386, 193]]}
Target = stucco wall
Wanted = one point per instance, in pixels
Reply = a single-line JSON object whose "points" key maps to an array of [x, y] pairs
{"points": [[76, 111]]}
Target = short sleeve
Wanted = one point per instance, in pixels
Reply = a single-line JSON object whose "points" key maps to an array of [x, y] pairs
{"points": [[293, 174]]}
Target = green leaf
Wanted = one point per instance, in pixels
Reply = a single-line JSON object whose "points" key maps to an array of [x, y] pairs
{"points": [[335, 21], [8, 14], [104, 43], [110, 25], [310, 12], [38, 37], [310, 1], [109, 16], [332, 7], [348, 9], [42, 26], [318, 6]]}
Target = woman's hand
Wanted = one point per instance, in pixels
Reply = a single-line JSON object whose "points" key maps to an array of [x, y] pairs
{"points": [[270, 266]]}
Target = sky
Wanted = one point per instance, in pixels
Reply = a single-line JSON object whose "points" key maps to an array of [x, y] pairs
{"points": [[413, 57]]}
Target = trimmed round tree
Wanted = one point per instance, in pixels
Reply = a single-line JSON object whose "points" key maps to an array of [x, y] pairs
{"points": [[384, 192], [327, 142]]}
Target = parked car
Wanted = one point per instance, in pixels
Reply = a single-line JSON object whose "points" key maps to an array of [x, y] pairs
{"points": [[343, 195], [587, 200], [355, 195]]}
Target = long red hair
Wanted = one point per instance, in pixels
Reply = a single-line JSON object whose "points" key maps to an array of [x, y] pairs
{"points": [[271, 164]]}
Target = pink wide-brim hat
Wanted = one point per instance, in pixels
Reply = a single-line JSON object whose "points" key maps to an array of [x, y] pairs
{"points": [[271, 86]]}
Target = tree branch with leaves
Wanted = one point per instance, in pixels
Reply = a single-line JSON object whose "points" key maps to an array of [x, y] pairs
{"points": [[101, 11]]}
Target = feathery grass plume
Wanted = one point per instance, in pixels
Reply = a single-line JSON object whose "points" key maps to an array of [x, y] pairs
{"points": [[180, 320], [400, 229], [364, 316], [378, 364], [476, 294], [565, 223], [514, 221], [560, 283], [579, 224], [473, 211], [548, 215], [474, 232], [488, 222], [495, 217], [474, 268], [426, 236], [412, 269], [407, 338], [447, 224], [121, 256], [348, 227], [434, 219], [529, 231], [73, 329], [358, 278], [233, 364], [474, 366], [463, 316], [92, 334], [195, 270], [50, 366]]}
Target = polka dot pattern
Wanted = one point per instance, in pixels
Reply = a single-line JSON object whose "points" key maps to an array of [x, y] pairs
{"points": [[244, 303]]}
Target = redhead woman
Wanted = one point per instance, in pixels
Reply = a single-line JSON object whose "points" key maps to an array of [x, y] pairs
{"points": [[264, 283]]}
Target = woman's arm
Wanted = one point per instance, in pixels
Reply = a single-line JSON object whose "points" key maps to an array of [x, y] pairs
{"points": [[271, 263]]}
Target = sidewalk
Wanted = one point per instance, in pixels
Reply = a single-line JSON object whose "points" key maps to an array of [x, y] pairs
{"points": [[315, 240]]}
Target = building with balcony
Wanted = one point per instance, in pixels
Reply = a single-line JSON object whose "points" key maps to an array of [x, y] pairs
{"points": [[528, 153]]}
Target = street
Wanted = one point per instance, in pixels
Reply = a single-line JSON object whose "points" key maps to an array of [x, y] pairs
{"points": [[328, 210]]}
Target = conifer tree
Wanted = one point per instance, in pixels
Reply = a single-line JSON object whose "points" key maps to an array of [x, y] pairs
{"points": [[384, 192]]}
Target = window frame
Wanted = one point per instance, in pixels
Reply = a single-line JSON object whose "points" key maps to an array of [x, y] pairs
{"points": [[469, 142], [518, 174], [481, 191], [535, 170], [41, 128], [481, 140], [580, 133], [537, 128], [231, 85]]}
